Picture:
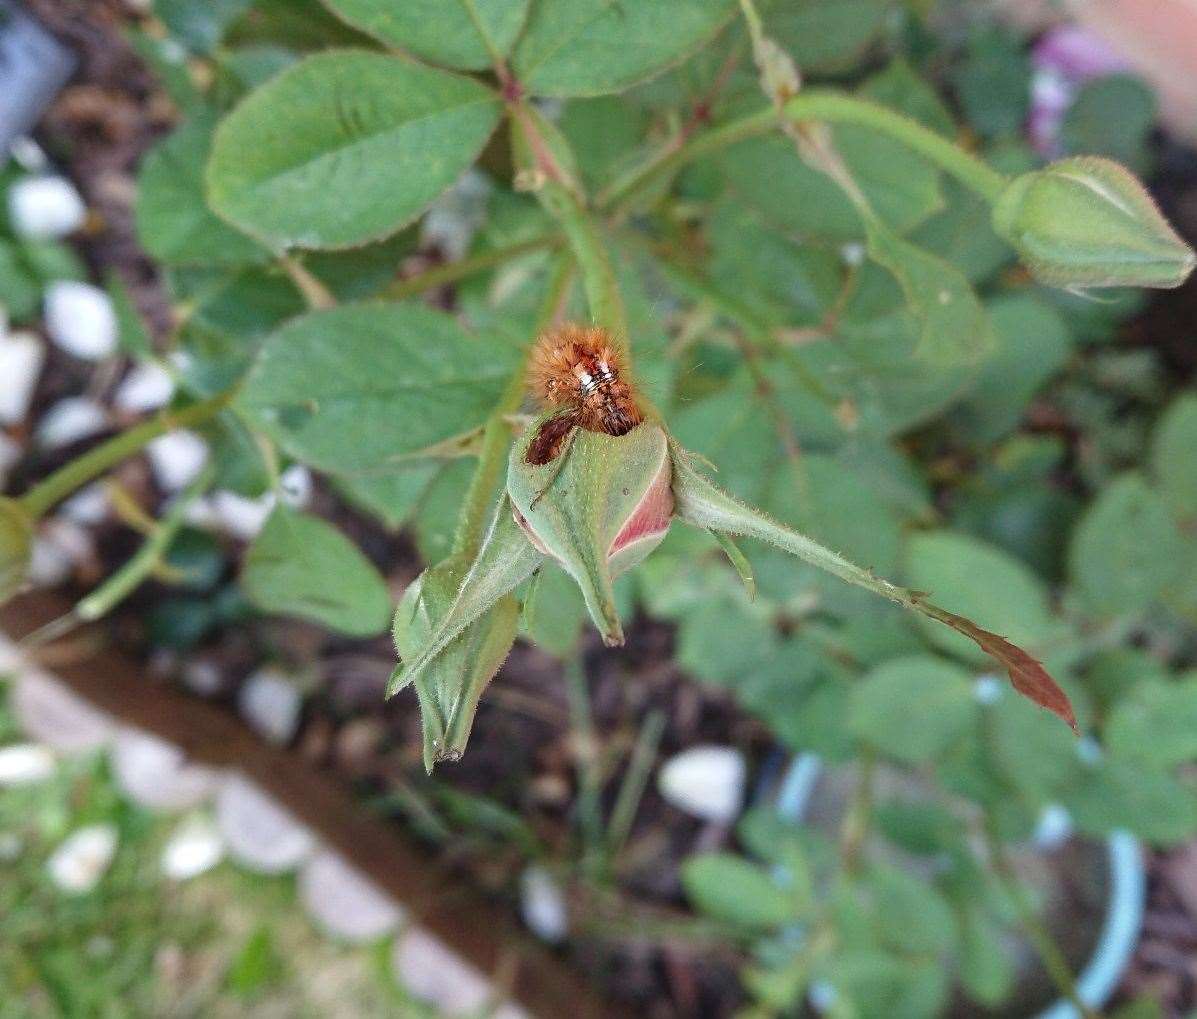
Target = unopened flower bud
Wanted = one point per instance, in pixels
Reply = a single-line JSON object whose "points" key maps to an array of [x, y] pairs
{"points": [[597, 508], [1089, 222]]}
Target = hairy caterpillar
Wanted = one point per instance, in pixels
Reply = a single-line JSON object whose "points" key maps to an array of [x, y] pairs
{"points": [[578, 368]]}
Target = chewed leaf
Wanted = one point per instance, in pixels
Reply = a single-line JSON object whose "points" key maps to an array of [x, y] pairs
{"points": [[702, 503], [1027, 675]]}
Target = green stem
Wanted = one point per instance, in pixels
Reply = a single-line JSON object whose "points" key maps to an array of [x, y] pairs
{"points": [[631, 791], [92, 464], [496, 435], [829, 107], [475, 510], [594, 264], [146, 559], [442, 275], [1045, 946]]}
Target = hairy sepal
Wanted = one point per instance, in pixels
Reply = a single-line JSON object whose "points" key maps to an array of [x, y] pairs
{"points": [[451, 686], [597, 509], [701, 502], [505, 560]]}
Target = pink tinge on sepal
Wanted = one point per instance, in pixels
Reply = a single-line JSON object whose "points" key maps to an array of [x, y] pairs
{"points": [[652, 516]]}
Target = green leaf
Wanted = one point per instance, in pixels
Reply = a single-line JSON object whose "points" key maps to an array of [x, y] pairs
{"points": [[994, 83], [302, 566], [390, 495], [981, 582], [358, 387], [767, 174], [345, 147], [985, 970], [1112, 117], [132, 334], [825, 35], [588, 48], [1032, 751], [558, 614], [732, 890], [466, 34], [16, 541], [911, 914], [1033, 344], [821, 497], [954, 327], [1125, 550], [1174, 457], [20, 292], [900, 87], [1119, 794], [1155, 724], [199, 26], [174, 223], [912, 708]]}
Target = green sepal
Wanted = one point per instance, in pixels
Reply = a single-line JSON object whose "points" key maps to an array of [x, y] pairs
{"points": [[739, 561], [16, 542], [576, 506], [701, 502], [1089, 222], [451, 686], [505, 560]]}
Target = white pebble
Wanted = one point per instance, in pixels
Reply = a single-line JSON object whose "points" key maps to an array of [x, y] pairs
{"points": [[156, 775], [242, 517], [270, 701], [259, 832], [21, 358], [80, 319], [343, 902], [25, 764], [542, 905], [45, 208], [77, 865], [49, 563], [177, 458], [194, 847], [147, 387], [202, 677], [1053, 828], [706, 781], [70, 420], [431, 971], [28, 154], [50, 712], [87, 507], [295, 486]]}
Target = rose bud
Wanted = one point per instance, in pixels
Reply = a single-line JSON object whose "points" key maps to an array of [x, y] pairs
{"points": [[1088, 222], [597, 508]]}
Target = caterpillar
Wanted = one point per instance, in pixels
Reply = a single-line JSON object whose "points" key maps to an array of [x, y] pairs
{"points": [[579, 369]]}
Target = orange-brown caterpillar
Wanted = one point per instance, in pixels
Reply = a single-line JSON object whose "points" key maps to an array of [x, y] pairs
{"points": [[578, 369]]}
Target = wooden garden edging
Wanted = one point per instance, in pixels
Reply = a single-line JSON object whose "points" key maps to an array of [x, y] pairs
{"points": [[480, 931]]}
